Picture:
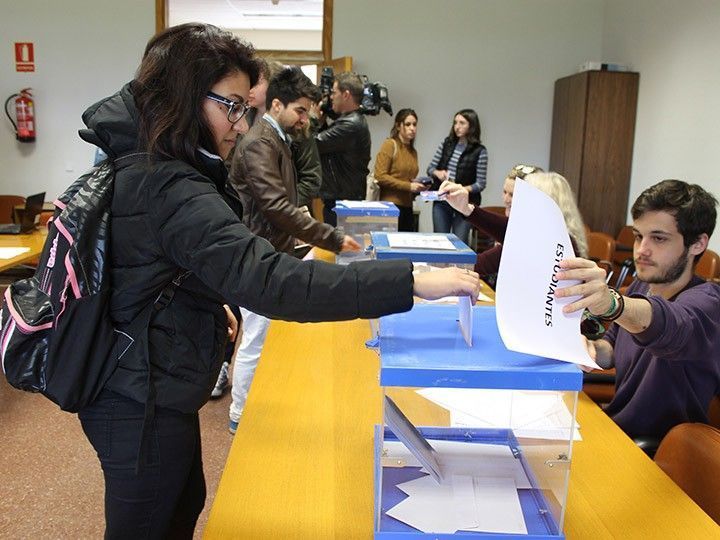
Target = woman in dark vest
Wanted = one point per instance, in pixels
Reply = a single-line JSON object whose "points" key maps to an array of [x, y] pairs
{"points": [[462, 159]]}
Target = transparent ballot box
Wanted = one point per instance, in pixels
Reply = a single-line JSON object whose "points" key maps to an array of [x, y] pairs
{"points": [[358, 219], [433, 249], [477, 440]]}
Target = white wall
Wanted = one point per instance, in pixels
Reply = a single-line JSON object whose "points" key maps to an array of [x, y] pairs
{"points": [[500, 57], [83, 52], [295, 40], [676, 48]]}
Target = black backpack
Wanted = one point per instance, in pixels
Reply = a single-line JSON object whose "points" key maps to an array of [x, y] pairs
{"points": [[56, 336]]}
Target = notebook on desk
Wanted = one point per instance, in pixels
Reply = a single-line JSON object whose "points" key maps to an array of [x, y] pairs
{"points": [[30, 216]]}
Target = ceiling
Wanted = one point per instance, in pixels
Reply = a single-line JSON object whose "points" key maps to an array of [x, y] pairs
{"points": [[249, 14]]}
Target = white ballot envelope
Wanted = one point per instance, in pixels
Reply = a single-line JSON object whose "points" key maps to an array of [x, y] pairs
{"points": [[529, 316]]}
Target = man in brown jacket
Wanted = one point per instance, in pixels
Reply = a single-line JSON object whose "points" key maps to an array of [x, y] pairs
{"points": [[265, 177]]}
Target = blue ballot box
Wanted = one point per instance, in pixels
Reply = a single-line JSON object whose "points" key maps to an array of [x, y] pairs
{"points": [[477, 440], [435, 249], [358, 219]]}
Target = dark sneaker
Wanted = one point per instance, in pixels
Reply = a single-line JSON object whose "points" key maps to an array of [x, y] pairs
{"points": [[232, 427]]}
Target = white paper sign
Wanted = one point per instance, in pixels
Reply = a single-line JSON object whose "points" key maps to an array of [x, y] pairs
{"points": [[529, 317]]}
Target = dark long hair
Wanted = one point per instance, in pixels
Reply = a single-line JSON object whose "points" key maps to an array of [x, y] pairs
{"points": [[178, 68], [473, 136], [400, 117]]}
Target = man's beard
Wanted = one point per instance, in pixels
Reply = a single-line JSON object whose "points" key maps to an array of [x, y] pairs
{"points": [[672, 273]]}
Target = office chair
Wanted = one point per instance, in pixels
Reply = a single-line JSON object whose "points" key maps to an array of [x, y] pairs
{"points": [[708, 266], [601, 249], [690, 455], [7, 207]]}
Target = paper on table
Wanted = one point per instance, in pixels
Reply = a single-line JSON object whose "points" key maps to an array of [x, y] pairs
{"points": [[529, 317], [10, 252], [465, 319], [420, 241], [535, 414]]}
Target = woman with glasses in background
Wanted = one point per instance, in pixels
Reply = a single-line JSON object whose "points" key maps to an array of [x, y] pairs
{"points": [[495, 225], [173, 211], [396, 168], [462, 159]]}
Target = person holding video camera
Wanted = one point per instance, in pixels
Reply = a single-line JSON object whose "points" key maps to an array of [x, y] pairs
{"points": [[344, 146]]}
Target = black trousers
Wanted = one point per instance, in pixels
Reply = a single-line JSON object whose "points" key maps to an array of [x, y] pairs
{"points": [[166, 496], [406, 219]]}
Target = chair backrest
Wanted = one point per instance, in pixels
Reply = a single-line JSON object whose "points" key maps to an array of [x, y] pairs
{"points": [[708, 266], [624, 244], [601, 249], [714, 412], [690, 455], [7, 207]]}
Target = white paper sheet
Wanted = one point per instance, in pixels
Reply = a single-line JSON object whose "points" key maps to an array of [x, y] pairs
{"points": [[465, 503], [535, 414], [10, 252], [420, 241], [465, 458], [465, 318], [529, 317], [498, 507]]}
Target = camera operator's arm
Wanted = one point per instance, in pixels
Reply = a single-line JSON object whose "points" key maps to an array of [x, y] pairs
{"points": [[338, 137]]}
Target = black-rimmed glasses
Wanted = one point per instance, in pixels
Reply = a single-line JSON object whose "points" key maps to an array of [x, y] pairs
{"points": [[236, 109]]}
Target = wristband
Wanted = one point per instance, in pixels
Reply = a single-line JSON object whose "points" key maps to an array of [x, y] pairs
{"points": [[617, 307]]}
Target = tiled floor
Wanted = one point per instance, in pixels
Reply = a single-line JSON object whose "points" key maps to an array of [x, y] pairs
{"points": [[51, 486]]}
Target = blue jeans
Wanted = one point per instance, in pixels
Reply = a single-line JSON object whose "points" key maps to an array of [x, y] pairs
{"points": [[166, 497], [446, 219]]}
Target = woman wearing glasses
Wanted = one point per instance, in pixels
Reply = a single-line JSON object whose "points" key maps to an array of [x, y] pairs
{"points": [[460, 158], [495, 225], [173, 211]]}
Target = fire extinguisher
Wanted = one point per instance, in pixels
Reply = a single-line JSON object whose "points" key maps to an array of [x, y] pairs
{"points": [[24, 114]]}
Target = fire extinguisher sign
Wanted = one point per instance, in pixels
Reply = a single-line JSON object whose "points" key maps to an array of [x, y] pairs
{"points": [[24, 57]]}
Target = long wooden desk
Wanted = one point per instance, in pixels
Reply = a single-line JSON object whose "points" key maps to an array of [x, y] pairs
{"points": [[33, 241], [301, 462]]}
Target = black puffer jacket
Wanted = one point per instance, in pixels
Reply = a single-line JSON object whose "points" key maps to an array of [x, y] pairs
{"points": [[344, 154], [168, 215]]}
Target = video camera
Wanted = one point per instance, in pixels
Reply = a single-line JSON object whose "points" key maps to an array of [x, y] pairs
{"points": [[375, 95]]}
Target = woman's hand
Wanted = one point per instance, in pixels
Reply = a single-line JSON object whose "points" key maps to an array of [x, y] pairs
{"points": [[451, 281], [417, 187], [457, 197], [232, 323], [349, 244], [440, 175]]}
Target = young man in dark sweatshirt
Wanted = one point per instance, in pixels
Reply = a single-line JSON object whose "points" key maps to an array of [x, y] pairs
{"points": [[665, 340]]}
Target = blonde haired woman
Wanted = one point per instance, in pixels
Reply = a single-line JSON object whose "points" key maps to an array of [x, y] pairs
{"points": [[495, 225]]}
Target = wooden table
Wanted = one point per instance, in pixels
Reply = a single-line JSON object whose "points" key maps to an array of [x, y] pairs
{"points": [[301, 464], [34, 241]]}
